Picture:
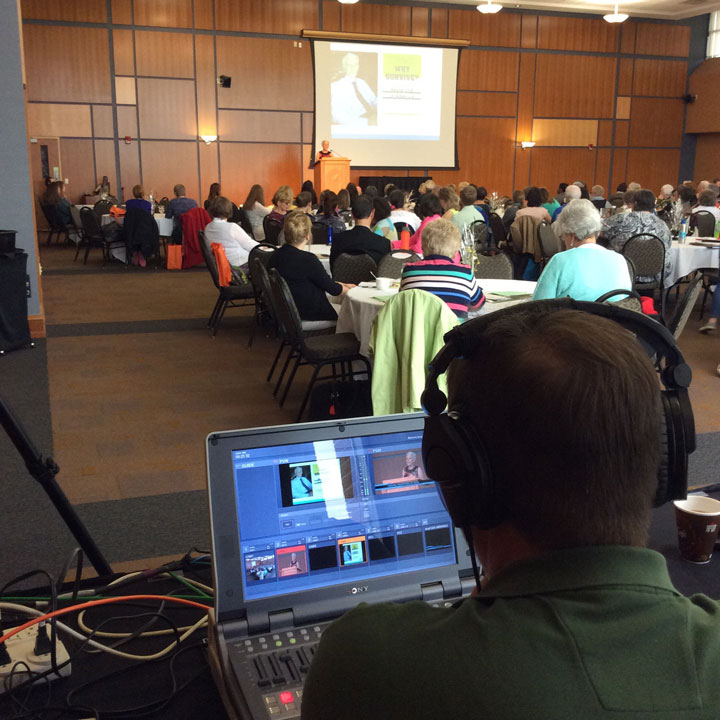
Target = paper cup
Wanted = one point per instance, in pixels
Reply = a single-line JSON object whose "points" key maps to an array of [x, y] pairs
{"points": [[698, 519], [383, 283]]}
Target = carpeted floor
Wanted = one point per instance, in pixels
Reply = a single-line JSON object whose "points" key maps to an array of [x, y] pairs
{"points": [[124, 391]]}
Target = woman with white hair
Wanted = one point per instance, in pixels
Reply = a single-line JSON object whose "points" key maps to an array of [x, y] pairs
{"points": [[586, 270]]}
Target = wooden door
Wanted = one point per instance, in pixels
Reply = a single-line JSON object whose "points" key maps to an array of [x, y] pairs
{"points": [[44, 162]]}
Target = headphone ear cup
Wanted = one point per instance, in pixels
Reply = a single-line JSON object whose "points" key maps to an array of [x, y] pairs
{"points": [[663, 474], [672, 472]]}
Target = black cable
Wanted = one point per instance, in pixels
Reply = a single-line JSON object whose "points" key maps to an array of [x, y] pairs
{"points": [[76, 553]]}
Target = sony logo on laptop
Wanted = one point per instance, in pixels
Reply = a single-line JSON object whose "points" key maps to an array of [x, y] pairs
{"points": [[358, 589]]}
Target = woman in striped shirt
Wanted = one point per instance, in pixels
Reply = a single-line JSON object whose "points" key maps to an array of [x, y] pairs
{"points": [[436, 273]]}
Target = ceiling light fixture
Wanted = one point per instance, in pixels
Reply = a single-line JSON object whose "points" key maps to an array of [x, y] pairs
{"points": [[209, 138], [490, 8], [347, 2], [527, 144], [616, 17]]}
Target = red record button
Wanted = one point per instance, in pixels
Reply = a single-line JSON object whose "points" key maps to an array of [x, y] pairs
{"points": [[286, 697]]}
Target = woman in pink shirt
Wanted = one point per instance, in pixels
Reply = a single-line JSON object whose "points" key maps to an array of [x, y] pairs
{"points": [[428, 209], [534, 205]]}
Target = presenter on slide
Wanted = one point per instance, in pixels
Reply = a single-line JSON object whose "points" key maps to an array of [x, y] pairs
{"points": [[300, 486], [352, 100]]}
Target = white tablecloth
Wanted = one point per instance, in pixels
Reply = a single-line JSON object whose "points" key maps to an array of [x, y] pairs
{"points": [[323, 254], [165, 228], [359, 308], [686, 258]]}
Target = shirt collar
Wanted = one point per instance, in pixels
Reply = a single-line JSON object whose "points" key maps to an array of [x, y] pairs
{"points": [[583, 567]]}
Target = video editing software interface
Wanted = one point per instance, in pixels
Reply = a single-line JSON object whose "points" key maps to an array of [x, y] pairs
{"points": [[322, 513]]}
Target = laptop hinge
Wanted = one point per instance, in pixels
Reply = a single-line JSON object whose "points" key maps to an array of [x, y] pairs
{"points": [[432, 592], [281, 620], [232, 629]]}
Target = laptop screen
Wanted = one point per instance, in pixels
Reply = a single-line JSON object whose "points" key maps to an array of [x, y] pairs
{"points": [[343, 510]]}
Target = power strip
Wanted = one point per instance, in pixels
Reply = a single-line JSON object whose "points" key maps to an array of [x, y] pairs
{"points": [[22, 650]]}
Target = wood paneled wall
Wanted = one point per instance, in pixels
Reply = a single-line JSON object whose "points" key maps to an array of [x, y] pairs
{"points": [[603, 103]]}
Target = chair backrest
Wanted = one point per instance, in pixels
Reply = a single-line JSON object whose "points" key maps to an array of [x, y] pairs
{"points": [[262, 251], [259, 276], [479, 230], [400, 226], [599, 203], [629, 299], [287, 313], [498, 228], [392, 264], [90, 223], [685, 306], [319, 233], [524, 235], [240, 217], [497, 266], [704, 221], [647, 253], [549, 241], [272, 230], [102, 207], [354, 268], [209, 258]]}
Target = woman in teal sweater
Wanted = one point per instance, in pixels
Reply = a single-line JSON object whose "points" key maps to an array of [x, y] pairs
{"points": [[586, 270]]}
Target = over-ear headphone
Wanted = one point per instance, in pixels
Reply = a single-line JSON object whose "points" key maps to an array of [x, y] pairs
{"points": [[456, 457]]}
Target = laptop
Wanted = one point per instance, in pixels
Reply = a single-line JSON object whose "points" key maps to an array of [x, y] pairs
{"points": [[307, 521]]}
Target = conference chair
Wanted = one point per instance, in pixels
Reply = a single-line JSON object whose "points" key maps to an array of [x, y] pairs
{"points": [[647, 253], [683, 309], [704, 221], [102, 207], [479, 230], [240, 217], [354, 268], [319, 233], [272, 230], [392, 264], [400, 226], [55, 225], [228, 296], [318, 350], [93, 236], [260, 255], [549, 243], [498, 229], [629, 299], [496, 266]]}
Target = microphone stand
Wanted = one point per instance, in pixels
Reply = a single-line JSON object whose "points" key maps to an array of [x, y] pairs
{"points": [[44, 471]]}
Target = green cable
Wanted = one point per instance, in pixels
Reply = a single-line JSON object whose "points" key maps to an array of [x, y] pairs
{"points": [[200, 593]]}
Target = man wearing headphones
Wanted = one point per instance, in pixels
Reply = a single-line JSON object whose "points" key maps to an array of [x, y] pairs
{"points": [[576, 618]]}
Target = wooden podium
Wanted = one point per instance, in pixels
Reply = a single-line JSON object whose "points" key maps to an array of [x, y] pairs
{"points": [[332, 173]]}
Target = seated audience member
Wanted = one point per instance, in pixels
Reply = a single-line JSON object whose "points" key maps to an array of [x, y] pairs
{"points": [[303, 271], [428, 208], [688, 198], [576, 618], [560, 196], [138, 201], [450, 202], [390, 187], [303, 202], [430, 186], [212, 194], [383, 224], [371, 191], [467, 214], [618, 229], [327, 215], [550, 204], [572, 192], [534, 207], [324, 152], [400, 214], [586, 270], [634, 186], [584, 194], [481, 204], [622, 187], [518, 201], [702, 186], [352, 190], [179, 205], [665, 200], [707, 202], [597, 198], [439, 274], [343, 200], [282, 202], [236, 242], [254, 206], [54, 195], [361, 238], [307, 186]]}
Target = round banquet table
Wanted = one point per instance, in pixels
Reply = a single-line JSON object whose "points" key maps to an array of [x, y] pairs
{"points": [[359, 307], [165, 228], [686, 257]]}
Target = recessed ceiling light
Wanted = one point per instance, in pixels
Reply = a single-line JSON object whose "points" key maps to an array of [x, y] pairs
{"points": [[489, 8], [616, 17]]}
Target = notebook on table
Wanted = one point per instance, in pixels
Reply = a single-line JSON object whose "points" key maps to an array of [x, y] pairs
{"points": [[307, 521]]}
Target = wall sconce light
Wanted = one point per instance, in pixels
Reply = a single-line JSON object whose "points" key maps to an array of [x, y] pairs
{"points": [[209, 138], [616, 17], [347, 2], [526, 144], [489, 8]]}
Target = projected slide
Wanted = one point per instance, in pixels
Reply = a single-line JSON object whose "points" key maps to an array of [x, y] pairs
{"points": [[386, 104], [315, 481]]}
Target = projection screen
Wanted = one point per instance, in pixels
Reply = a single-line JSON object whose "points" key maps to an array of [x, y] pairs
{"points": [[386, 105]]}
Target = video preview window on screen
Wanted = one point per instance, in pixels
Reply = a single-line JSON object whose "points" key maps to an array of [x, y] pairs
{"points": [[351, 544], [386, 94]]}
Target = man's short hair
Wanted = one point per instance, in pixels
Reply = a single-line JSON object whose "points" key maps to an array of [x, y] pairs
{"points": [[179, 190], [138, 191], [572, 192], [220, 207], [440, 237], [397, 199], [296, 227], [303, 199], [362, 207], [702, 186], [707, 198], [667, 190], [598, 191], [518, 197], [468, 195], [644, 200], [580, 467]]}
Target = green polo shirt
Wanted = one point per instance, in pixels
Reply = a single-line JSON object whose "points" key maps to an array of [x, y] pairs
{"points": [[596, 632]]}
